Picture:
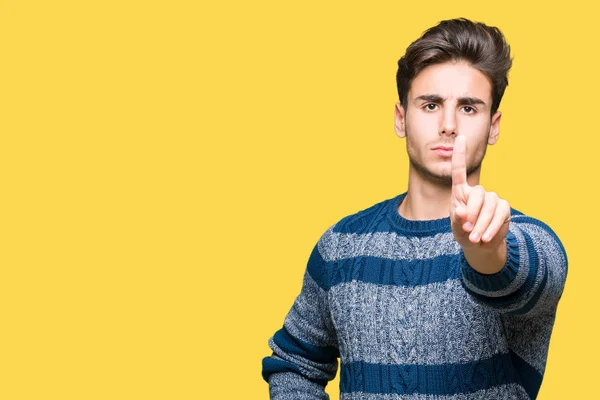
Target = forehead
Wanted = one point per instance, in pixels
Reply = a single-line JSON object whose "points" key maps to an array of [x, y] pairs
{"points": [[451, 80]]}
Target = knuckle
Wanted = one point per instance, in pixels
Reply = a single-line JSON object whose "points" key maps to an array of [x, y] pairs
{"points": [[491, 198]]}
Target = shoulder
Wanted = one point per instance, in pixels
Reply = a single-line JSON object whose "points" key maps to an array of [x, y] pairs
{"points": [[363, 220], [521, 219], [360, 222], [534, 228]]}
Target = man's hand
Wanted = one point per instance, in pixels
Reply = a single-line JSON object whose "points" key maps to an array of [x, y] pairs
{"points": [[479, 219]]}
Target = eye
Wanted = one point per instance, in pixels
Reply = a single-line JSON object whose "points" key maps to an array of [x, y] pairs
{"points": [[469, 109], [428, 108]]}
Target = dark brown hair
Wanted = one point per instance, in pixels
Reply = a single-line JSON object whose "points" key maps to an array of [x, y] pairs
{"points": [[482, 46]]}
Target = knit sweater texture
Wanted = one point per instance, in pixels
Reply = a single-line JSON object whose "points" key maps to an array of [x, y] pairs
{"points": [[396, 301]]}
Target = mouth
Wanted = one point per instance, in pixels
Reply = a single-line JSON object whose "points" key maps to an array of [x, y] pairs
{"points": [[443, 151]]}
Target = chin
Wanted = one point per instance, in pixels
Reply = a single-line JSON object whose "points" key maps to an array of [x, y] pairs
{"points": [[435, 174], [443, 179], [441, 173]]}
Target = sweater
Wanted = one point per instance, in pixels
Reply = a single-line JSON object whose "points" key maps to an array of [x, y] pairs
{"points": [[396, 301]]}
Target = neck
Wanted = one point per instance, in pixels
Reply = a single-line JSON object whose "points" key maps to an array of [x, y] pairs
{"points": [[427, 200]]}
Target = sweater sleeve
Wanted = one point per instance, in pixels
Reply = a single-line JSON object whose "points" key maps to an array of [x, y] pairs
{"points": [[533, 278], [305, 351]]}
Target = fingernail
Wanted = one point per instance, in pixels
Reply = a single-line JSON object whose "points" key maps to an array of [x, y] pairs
{"points": [[467, 226], [475, 236]]}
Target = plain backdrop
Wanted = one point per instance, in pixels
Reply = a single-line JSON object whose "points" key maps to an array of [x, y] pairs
{"points": [[167, 167]]}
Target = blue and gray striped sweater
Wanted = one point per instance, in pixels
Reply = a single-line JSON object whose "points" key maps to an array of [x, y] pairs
{"points": [[409, 319]]}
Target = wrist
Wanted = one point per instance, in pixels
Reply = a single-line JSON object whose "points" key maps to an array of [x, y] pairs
{"points": [[484, 259]]}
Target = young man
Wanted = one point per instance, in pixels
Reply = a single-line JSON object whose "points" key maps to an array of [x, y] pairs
{"points": [[444, 291]]}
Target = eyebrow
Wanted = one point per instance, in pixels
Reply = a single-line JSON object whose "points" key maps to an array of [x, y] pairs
{"points": [[434, 98]]}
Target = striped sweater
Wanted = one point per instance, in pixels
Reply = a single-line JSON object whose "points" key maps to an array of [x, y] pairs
{"points": [[409, 318]]}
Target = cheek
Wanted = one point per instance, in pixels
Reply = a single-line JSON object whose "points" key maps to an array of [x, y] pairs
{"points": [[475, 127], [423, 128], [424, 123], [476, 132], [476, 146]]}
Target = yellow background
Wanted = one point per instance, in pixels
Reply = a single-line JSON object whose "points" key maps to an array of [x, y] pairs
{"points": [[166, 168]]}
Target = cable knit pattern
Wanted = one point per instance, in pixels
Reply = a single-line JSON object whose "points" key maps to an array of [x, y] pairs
{"points": [[397, 302]]}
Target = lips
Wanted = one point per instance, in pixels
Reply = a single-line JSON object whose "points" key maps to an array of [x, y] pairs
{"points": [[445, 152]]}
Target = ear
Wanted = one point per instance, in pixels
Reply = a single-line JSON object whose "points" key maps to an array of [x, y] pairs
{"points": [[495, 128], [399, 123]]}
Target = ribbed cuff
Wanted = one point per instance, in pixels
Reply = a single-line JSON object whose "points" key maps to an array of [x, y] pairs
{"points": [[499, 280]]}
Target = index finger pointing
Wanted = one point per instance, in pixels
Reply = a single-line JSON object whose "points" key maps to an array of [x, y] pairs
{"points": [[459, 164]]}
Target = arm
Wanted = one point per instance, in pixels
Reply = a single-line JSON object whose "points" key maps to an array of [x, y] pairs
{"points": [[305, 353], [533, 276], [525, 292], [511, 263]]}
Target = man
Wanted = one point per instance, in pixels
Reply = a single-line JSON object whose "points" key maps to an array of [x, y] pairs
{"points": [[444, 291]]}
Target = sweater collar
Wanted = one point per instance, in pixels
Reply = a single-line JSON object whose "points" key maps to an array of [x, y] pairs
{"points": [[416, 226]]}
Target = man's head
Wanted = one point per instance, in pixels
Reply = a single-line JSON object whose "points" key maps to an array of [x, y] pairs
{"points": [[482, 46], [450, 82]]}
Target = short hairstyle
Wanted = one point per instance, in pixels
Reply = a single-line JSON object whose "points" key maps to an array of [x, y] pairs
{"points": [[460, 39]]}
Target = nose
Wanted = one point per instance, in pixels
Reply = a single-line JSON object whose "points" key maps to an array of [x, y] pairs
{"points": [[448, 126]]}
